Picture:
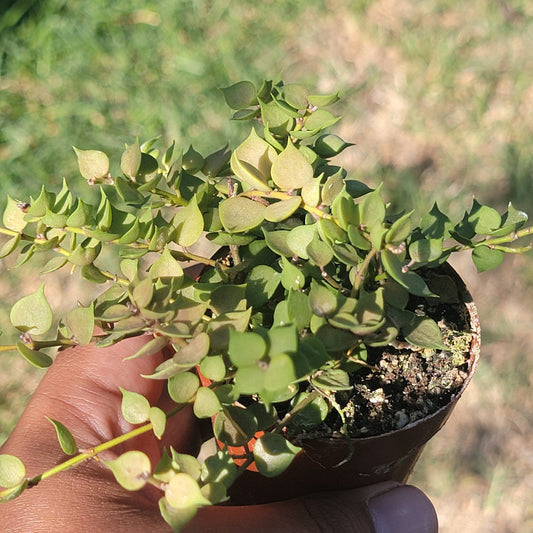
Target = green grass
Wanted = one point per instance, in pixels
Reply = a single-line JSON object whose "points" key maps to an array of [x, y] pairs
{"points": [[98, 74], [436, 94]]}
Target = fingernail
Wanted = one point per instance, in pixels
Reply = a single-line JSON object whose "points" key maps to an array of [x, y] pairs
{"points": [[404, 509]]}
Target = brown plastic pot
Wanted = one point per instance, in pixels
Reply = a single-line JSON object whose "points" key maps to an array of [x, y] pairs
{"points": [[388, 457]]}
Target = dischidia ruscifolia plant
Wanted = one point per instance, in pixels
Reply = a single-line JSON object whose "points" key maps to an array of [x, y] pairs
{"points": [[314, 271]]}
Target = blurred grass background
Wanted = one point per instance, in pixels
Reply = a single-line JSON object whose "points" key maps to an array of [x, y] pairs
{"points": [[438, 96]]}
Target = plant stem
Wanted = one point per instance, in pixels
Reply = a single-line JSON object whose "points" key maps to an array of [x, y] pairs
{"points": [[115, 278], [172, 198], [234, 251], [331, 281], [8, 348], [511, 237], [360, 274], [234, 423], [494, 242], [79, 231], [92, 453], [298, 407], [37, 345], [62, 251], [189, 256], [9, 232], [509, 249]]}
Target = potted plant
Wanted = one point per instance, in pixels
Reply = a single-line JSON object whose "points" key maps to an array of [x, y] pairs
{"points": [[322, 325]]}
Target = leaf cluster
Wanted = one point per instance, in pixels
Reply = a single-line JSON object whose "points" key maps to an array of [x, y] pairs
{"points": [[303, 271]]}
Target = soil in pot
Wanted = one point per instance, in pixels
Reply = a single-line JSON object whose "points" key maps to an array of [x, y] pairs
{"points": [[403, 383]]}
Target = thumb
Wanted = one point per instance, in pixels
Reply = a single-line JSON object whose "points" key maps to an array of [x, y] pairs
{"points": [[387, 507]]}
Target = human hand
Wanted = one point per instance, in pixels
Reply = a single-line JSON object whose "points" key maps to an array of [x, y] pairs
{"points": [[81, 390]]}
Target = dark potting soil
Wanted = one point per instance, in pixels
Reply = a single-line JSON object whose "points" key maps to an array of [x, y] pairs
{"points": [[404, 383]]}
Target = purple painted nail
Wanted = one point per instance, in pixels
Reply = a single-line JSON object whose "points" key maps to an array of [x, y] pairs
{"points": [[404, 509]]}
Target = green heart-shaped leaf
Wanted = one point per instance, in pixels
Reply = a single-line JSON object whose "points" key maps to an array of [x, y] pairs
{"points": [[245, 348], [65, 438], [425, 250], [311, 192], [238, 214], [85, 253], [484, 219], [299, 238], [192, 353], [81, 216], [131, 469], [192, 161], [320, 120], [166, 266], [400, 230], [277, 242], [158, 420], [213, 368], [249, 379], [150, 348], [206, 403], [261, 284], [511, 221], [240, 95], [93, 164], [214, 492], [435, 225], [12, 471], [276, 119], [80, 322], [135, 407], [291, 276], [282, 339], [143, 293], [486, 258], [182, 387], [189, 224], [55, 263], [323, 100], [322, 301], [130, 161], [334, 379], [295, 95], [176, 518], [147, 174], [34, 357], [215, 162], [11, 245], [278, 211], [298, 309], [32, 313], [290, 169], [252, 160], [219, 468], [319, 252], [330, 145], [414, 283], [424, 332], [13, 217], [273, 454], [280, 373], [187, 464], [235, 426], [332, 188]]}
